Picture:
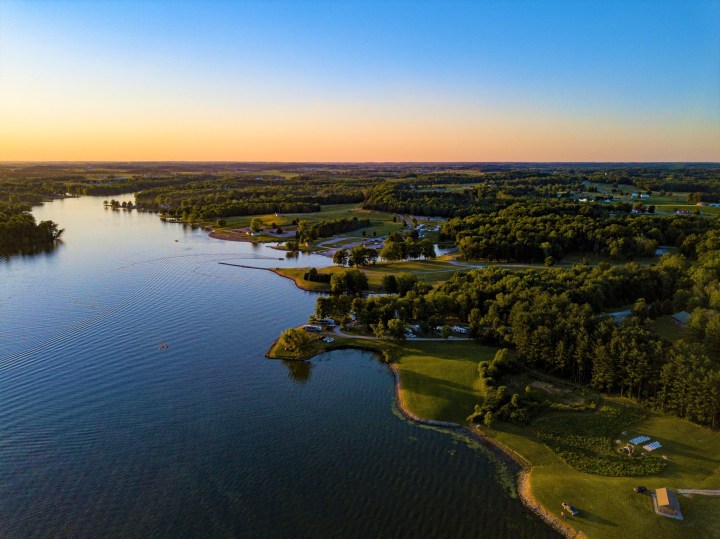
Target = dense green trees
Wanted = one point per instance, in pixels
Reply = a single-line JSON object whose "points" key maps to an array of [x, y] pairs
{"points": [[224, 196], [19, 232], [555, 321], [533, 232], [394, 330], [295, 340], [399, 248], [351, 281], [362, 256]]}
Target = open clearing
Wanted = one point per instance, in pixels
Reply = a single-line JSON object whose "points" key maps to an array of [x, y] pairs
{"points": [[429, 271]]}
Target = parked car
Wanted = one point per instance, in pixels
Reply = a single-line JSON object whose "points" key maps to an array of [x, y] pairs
{"points": [[570, 509], [640, 490], [328, 339]]}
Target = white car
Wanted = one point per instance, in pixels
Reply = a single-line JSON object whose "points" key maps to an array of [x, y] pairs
{"points": [[328, 339]]}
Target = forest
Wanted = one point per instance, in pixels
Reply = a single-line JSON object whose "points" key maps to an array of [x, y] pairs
{"points": [[20, 233], [557, 321], [534, 231]]}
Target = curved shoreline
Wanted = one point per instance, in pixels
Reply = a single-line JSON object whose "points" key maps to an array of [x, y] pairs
{"points": [[523, 477], [294, 280], [522, 481], [276, 272], [218, 236]]}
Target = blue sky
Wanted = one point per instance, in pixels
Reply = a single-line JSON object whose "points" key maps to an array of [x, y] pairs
{"points": [[465, 80]]}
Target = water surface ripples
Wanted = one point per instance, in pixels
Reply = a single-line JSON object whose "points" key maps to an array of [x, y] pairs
{"points": [[102, 433]]}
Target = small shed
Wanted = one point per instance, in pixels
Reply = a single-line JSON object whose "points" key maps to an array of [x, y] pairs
{"points": [[666, 504], [681, 318]]}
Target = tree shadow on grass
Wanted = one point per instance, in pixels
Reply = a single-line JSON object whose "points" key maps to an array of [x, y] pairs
{"points": [[452, 401], [593, 518]]}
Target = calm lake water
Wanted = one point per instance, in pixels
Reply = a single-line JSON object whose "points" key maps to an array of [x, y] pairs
{"points": [[103, 434]]}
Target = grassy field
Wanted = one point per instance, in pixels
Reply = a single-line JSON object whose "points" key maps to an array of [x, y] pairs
{"points": [[705, 210], [429, 271], [439, 381], [286, 175], [278, 351], [665, 203], [666, 327], [382, 222], [609, 507]]}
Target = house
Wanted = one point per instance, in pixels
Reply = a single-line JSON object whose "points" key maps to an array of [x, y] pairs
{"points": [[666, 504], [681, 318], [311, 328]]}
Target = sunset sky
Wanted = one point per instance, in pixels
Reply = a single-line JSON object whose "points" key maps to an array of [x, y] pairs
{"points": [[360, 81]]}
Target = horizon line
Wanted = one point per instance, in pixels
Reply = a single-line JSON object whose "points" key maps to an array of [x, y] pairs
{"points": [[200, 161]]}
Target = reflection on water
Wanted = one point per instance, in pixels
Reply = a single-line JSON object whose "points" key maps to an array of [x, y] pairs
{"points": [[32, 250], [102, 433], [299, 371]]}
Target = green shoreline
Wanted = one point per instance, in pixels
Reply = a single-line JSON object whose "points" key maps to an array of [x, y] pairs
{"points": [[522, 466], [608, 505]]}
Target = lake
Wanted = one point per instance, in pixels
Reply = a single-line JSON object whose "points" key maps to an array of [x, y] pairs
{"points": [[105, 433]]}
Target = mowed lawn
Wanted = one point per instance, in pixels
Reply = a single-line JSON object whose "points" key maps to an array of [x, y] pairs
{"points": [[429, 271], [608, 506], [439, 379]]}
